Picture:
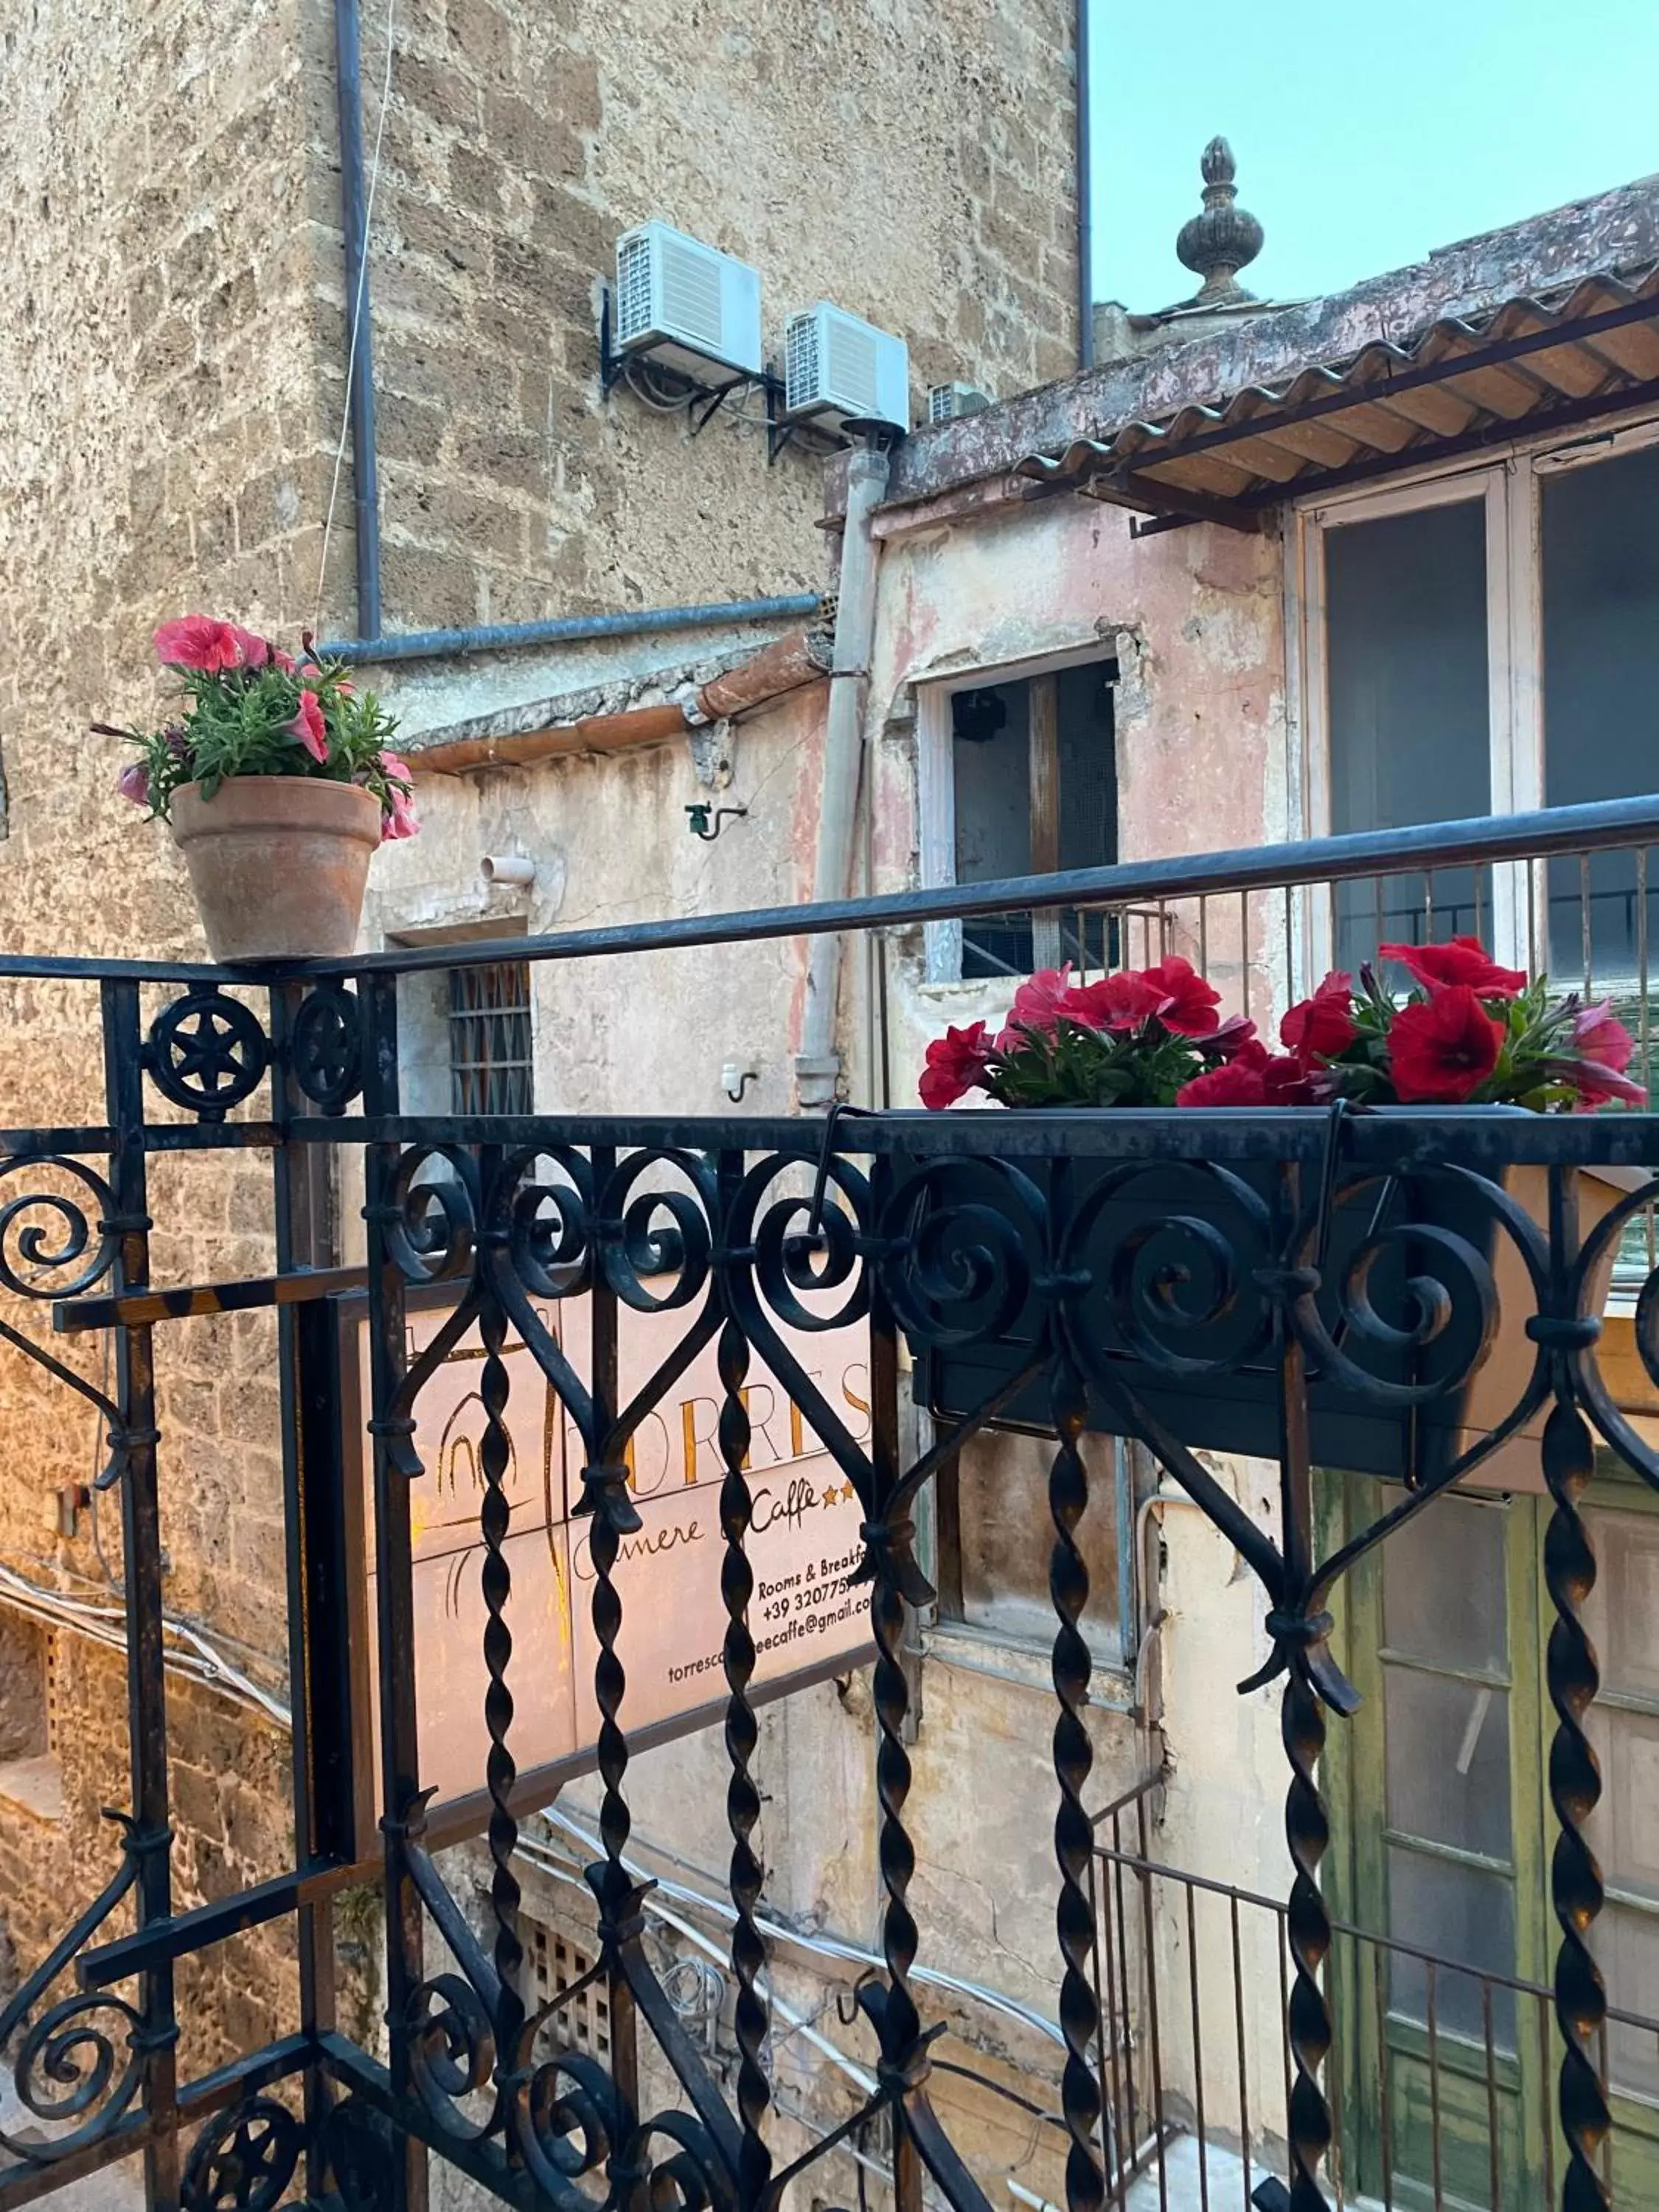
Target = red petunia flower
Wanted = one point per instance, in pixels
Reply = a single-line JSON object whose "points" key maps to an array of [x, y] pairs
{"points": [[1600, 1037], [1116, 1002], [1233, 1084], [1464, 962], [198, 642], [252, 652], [1038, 1001], [1443, 1048], [1254, 1079], [956, 1065], [309, 727], [1191, 1003], [1322, 1026]]}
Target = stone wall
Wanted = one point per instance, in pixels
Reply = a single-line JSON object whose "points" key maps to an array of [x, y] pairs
{"points": [[161, 430], [172, 347], [912, 163]]}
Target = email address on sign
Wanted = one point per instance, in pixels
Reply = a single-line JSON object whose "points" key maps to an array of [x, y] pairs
{"points": [[789, 1631]]}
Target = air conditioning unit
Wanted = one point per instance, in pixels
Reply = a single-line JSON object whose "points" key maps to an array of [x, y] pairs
{"points": [[946, 402], [686, 305], [836, 368]]}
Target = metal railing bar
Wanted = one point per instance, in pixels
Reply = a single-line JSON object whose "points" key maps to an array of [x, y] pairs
{"points": [[1380, 1986], [1197, 2053], [1243, 2056], [1276, 1907], [1492, 2167], [1149, 1953], [1434, 2088], [1600, 826], [1603, 825]]}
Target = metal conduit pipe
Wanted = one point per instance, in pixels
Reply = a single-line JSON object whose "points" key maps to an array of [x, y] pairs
{"points": [[817, 1063], [360, 323], [1085, 198], [568, 629]]}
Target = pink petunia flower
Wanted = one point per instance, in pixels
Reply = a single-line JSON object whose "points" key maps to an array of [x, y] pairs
{"points": [[134, 784], [309, 727], [401, 821], [1600, 1037], [1037, 1002], [200, 643], [252, 652]]}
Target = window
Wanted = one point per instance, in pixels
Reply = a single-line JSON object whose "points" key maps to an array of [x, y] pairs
{"points": [[490, 1053], [465, 1038], [29, 1772], [1483, 643], [1017, 777], [554, 1963], [995, 1536]]}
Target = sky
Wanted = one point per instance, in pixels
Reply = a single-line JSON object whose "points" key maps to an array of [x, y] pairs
{"points": [[1364, 135]]}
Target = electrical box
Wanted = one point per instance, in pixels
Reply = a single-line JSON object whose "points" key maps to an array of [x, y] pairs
{"points": [[836, 368], [685, 305], [945, 402]]}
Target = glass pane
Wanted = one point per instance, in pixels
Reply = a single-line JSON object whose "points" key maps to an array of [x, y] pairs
{"points": [[1461, 1916], [1088, 766], [1447, 1760], [1625, 1945], [1601, 594], [1444, 1593], [1006, 1537], [1622, 1612], [991, 758], [1624, 1829], [1410, 731]]}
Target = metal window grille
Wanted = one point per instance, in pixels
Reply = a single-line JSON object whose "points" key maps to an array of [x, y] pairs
{"points": [[489, 1053], [553, 1965]]}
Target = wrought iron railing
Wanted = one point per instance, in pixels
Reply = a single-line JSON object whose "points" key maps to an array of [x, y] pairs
{"points": [[1188, 2047], [1016, 1246]]}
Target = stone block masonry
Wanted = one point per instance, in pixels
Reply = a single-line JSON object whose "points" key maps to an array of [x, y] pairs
{"points": [[913, 164]]}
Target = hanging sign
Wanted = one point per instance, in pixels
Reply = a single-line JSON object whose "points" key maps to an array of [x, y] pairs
{"points": [[803, 1546]]}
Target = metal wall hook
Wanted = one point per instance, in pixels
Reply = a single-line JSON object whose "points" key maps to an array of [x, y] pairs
{"points": [[700, 813]]}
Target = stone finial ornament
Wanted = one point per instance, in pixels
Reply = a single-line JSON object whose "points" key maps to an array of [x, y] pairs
{"points": [[1225, 239]]}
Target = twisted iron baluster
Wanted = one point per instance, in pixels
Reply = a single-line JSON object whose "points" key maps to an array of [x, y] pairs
{"points": [[1307, 1832], [1068, 1584], [495, 1518], [1573, 1677], [750, 2020]]}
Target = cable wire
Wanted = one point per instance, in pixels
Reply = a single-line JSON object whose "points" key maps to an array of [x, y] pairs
{"points": [[826, 1946], [357, 315]]}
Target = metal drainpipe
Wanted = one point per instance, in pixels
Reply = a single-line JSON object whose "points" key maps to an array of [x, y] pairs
{"points": [[354, 214], [1085, 200], [818, 1064], [566, 629]]}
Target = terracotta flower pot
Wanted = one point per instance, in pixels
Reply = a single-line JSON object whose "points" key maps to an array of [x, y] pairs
{"points": [[278, 863]]}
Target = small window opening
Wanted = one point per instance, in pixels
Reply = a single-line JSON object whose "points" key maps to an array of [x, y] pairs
{"points": [[1033, 768], [489, 1042]]}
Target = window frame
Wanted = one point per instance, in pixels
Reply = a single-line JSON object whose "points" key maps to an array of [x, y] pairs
{"points": [[936, 790], [1509, 482]]}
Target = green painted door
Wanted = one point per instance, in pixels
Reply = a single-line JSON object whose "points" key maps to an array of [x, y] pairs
{"points": [[1439, 1860]]}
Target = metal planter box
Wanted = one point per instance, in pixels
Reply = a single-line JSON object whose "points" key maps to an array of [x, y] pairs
{"points": [[1170, 1252]]}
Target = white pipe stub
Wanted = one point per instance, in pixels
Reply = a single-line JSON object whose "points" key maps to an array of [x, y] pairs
{"points": [[507, 868]]}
